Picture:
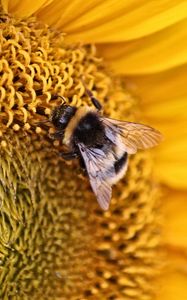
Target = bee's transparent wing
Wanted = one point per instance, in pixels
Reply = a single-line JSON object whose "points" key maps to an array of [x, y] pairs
{"points": [[96, 164], [131, 136]]}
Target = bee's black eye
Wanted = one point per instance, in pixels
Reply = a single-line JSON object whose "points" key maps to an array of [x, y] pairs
{"points": [[62, 115]]}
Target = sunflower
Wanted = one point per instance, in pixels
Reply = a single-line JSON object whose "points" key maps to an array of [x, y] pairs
{"points": [[54, 241]]}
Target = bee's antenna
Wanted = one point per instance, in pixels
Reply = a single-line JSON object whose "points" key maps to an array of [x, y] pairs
{"points": [[63, 98], [59, 96], [40, 123], [44, 121], [95, 102]]}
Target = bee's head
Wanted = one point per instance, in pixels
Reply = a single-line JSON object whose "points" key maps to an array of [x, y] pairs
{"points": [[61, 115]]}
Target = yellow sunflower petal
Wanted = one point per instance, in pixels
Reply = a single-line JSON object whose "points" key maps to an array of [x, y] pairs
{"points": [[162, 86], [109, 21], [173, 285], [22, 8], [171, 158], [175, 227], [163, 97], [155, 53], [173, 279]]}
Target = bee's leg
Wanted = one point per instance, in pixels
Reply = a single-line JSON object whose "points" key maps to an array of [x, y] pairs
{"points": [[58, 135], [68, 155], [95, 102], [82, 165]]}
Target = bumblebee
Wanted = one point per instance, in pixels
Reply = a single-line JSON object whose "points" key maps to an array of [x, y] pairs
{"points": [[101, 144]]}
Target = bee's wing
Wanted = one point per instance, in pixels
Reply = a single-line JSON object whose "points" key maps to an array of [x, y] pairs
{"points": [[133, 136], [96, 165]]}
